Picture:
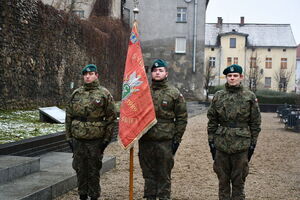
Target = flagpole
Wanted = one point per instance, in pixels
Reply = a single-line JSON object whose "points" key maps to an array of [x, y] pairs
{"points": [[131, 166], [131, 174]]}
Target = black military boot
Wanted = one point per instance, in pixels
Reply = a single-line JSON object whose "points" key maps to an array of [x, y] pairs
{"points": [[94, 198], [83, 196]]}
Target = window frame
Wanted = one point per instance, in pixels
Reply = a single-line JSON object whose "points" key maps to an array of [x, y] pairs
{"points": [[236, 60], [232, 43], [253, 62], [283, 63], [268, 63], [79, 13], [177, 50], [269, 85], [212, 62], [229, 61], [181, 15]]}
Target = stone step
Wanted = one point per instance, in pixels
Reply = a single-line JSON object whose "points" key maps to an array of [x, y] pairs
{"points": [[13, 167], [56, 177]]}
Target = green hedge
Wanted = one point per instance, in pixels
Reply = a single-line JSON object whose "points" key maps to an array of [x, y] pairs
{"points": [[274, 97]]}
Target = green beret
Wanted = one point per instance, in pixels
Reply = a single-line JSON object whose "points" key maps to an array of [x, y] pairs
{"points": [[89, 68], [233, 69], [159, 63]]}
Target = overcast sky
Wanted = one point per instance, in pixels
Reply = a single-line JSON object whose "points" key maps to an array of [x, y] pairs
{"points": [[257, 11]]}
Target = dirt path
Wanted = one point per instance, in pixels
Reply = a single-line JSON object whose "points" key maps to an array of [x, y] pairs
{"points": [[274, 168]]}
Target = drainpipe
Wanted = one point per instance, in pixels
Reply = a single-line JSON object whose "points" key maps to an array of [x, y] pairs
{"points": [[195, 35]]}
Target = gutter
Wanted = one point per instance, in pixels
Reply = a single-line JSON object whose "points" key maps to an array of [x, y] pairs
{"points": [[195, 35]]}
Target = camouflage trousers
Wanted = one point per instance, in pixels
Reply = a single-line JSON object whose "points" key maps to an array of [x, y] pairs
{"points": [[87, 163], [232, 170], [156, 160]]}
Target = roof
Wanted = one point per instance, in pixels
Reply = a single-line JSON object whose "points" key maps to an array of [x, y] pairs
{"points": [[259, 35]]}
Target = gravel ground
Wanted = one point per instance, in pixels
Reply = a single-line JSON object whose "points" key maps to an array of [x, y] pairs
{"points": [[274, 168]]}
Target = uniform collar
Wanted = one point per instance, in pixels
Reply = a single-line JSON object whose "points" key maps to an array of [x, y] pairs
{"points": [[159, 84], [233, 89], [92, 85]]}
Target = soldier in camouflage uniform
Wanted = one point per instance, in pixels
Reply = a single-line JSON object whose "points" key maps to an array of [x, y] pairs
{"points": [[89, 128], [158, 146], [233, 128]]}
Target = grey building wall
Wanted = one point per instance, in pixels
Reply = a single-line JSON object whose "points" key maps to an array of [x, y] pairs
{"points": [[158, 31]]}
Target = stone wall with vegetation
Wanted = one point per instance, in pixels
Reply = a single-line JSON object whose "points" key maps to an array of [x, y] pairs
{"points": [[42, 51]]}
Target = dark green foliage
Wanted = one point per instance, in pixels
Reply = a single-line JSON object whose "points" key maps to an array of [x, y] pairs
{"points": [[275, 97]]}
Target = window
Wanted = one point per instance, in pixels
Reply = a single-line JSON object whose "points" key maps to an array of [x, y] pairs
{"points": [[180, 45], [268, 81], [212, 49], [229, 61], [235, 60], [232, 43], [79, 13], [253, 62], [284, 50], [283, 64], [212, 61], [181, 14], [282, 84], [269, 63], [269, 49]]}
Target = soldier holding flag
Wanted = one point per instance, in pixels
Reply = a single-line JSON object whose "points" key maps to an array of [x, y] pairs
{"points": [[159, 145]]}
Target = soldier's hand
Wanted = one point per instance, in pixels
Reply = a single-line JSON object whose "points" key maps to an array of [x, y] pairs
{"points": [[251, 151], [175, 146], [212, 149], [70, 142], [103, 146]]}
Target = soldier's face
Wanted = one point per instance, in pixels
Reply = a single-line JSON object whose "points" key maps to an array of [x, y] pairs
{"points": [[89, 77], [234, 79], [159, 74]]}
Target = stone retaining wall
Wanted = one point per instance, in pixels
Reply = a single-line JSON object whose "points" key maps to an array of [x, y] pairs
{"points": [[42, 51]]}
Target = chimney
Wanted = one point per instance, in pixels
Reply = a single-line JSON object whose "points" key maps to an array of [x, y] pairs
{"points": [[242, 23], [220, 21]]}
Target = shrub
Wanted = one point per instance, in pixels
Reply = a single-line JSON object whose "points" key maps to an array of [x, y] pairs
{"points": [[275, 97]]}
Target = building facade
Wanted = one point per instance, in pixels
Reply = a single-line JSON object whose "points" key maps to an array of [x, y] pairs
{"points": [[173, 30], [267, 53], [298, 70], [84, 8]]}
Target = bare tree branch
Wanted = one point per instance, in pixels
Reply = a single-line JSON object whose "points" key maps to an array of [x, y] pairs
{"points": [[209, 75], [282, 77]]}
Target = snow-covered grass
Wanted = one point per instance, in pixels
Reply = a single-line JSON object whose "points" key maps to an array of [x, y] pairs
{"points": [[18, 125]]}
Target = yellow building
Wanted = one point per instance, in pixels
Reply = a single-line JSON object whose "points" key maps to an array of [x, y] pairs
{"points": [[267, 53]]}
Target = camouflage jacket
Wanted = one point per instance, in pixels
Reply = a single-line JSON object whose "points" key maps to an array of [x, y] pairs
{"points": [[234, 119], [91, 113], [171, 113]]}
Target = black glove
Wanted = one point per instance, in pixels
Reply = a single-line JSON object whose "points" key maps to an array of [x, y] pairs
{"points": [[212, 149], [175, 146], [103, 146], [251, 151], [70, 142]]}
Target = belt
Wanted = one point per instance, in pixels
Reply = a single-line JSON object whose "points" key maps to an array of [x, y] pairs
{"points": [[88, 119], [234, 124], [165, 120]]}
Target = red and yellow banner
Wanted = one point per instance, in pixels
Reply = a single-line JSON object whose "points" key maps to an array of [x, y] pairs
{"points": [[137, 114]]}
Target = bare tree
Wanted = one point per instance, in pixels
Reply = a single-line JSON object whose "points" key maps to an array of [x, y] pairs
{"points": [[255, 73], [282, 78], [209, 76]]}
